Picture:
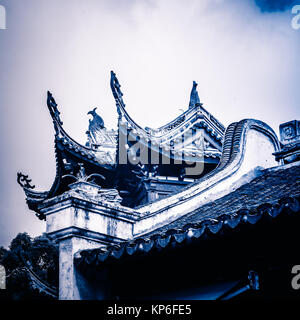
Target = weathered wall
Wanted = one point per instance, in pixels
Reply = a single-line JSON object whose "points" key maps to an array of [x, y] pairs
{"points": [[65, 212], [73, 286], [79, 224]]}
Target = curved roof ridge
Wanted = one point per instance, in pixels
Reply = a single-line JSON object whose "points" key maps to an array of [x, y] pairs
{"points": [[62, 136], [34, 198], [234, 165], [186, 116], [59, 130]]}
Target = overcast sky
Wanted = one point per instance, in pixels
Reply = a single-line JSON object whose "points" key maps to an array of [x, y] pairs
{"points": [[243, 54]]}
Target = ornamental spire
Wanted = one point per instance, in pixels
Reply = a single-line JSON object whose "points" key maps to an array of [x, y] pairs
{"points": [[54, 112], [116, 89], [194, 98]]}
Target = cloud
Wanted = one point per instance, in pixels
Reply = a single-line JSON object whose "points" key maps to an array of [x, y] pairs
{"points": [[268, 6]]}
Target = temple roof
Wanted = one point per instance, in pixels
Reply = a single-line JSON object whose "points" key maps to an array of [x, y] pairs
{"points": [[100, 154], [276, 191], [270, 188]]}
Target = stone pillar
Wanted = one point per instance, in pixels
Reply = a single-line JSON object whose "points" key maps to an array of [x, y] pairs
{"points": [[72, 286], [86, 217]]}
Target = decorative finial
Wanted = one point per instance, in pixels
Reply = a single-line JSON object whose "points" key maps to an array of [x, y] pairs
{"points": [[97, 121], [81, 175], [116, 89], [24, 181], [194, 98], [52, 105]]}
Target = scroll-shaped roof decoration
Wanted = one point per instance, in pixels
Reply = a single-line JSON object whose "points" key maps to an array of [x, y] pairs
{"points": [[24, 181]]}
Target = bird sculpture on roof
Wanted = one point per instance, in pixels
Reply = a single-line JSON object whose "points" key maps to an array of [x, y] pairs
{"points": [[194, 98], [97, 121]]}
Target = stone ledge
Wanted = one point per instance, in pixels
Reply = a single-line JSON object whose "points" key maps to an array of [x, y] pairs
{"points": [[66, 200], [84, 234]]}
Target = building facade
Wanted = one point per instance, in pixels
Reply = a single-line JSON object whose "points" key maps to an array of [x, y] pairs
{"points": [[170, 206]]}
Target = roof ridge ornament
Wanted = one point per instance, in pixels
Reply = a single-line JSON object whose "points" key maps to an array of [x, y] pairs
{"points": [[24, 181], [85, 187], [194, 97], [81, 175], [116, 88], [97, 120], [55, 114]]}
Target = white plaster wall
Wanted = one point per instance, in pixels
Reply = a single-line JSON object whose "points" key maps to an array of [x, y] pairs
{"points": [[258, 152], [107, 225], [257, 155], [88, 220], [60, 220]]}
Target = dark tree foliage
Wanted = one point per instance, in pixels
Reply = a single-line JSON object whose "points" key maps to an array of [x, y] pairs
{"points": [[40, 255]]}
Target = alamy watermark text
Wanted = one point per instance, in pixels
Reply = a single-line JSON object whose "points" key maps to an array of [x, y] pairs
{"points": [[2, 17], [296, 19]]}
